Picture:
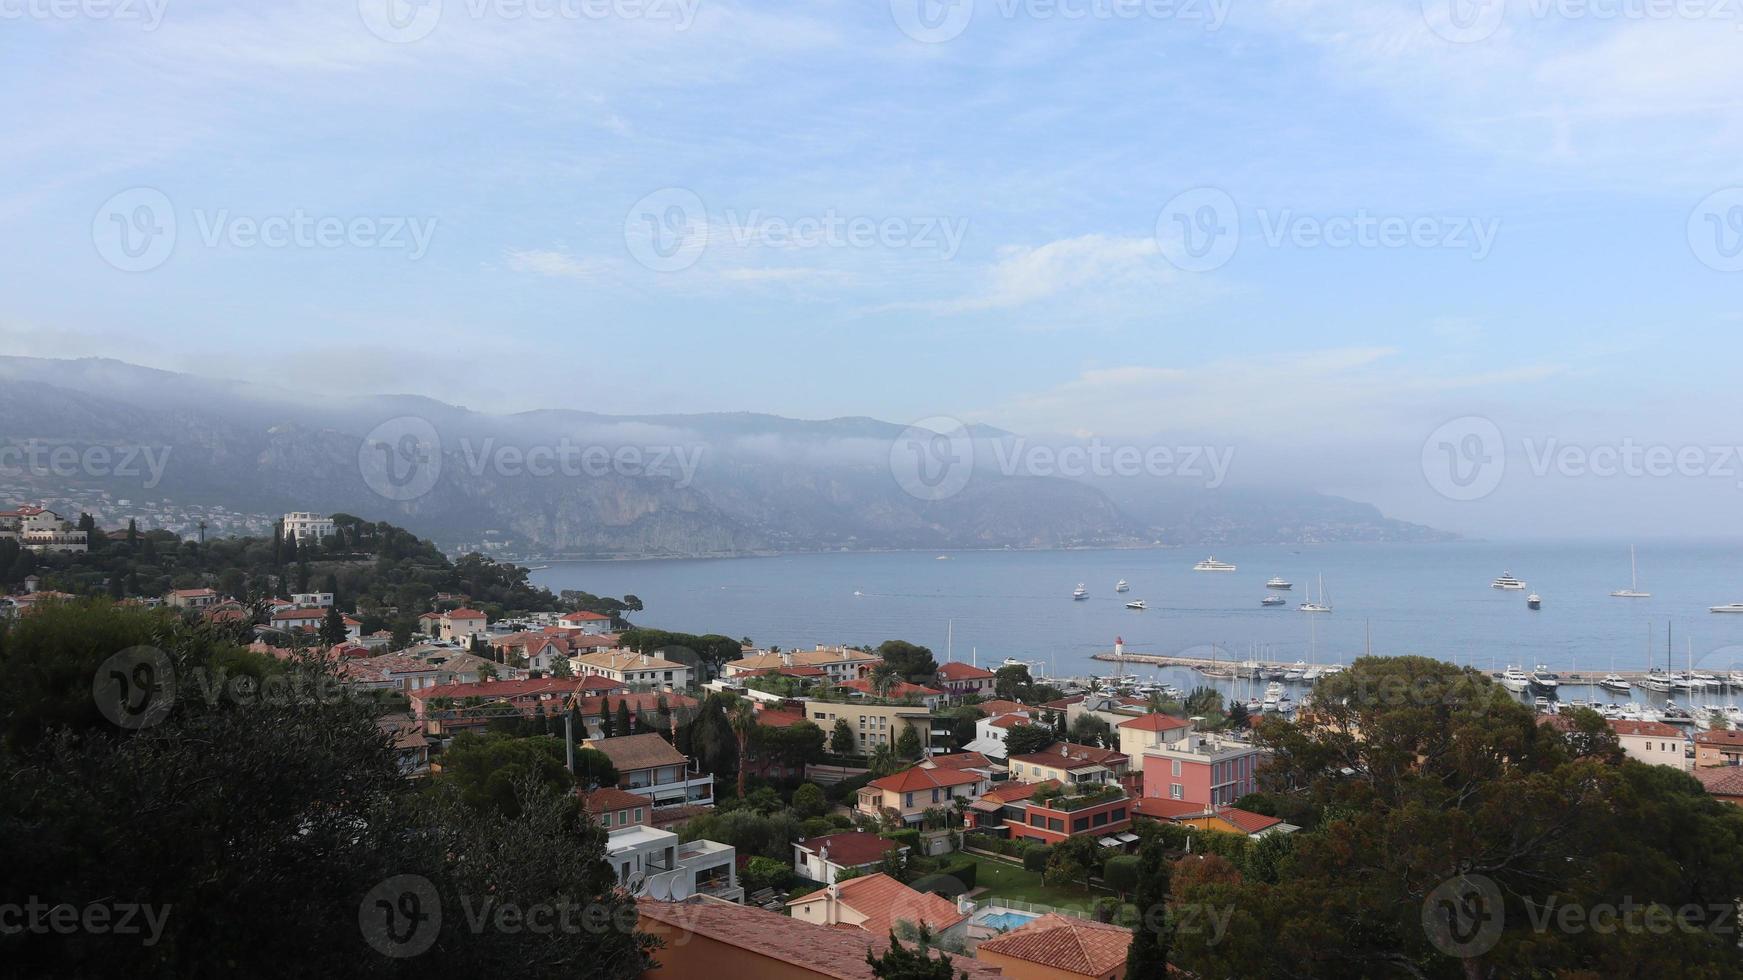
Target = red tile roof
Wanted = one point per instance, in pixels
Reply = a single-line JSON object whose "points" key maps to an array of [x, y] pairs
{"points": [[959, 671], [999, 706], [1162, 808], [609, 798], [1716, 737], [1069, 755], [1722, 780], [1012, 721], [531, 687], [1656, 729], [822, 950], [1247, 820], [629, 752], [900, 689], [1012, 792], [774, 718], [584, 617], [1090, 949], [852, 848], [884, 901], [1155, 722], [466, 614], [916, 779], [961, 760]]}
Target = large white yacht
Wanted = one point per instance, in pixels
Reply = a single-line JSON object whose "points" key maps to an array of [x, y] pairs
{"points": [[1731, 607], [1514, 679], [1544, 679], [1212, 565], [1121, 586], [1279, 582], [1080, 593], [1507, 581]]}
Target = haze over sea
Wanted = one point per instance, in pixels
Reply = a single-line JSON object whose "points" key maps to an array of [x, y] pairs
{"points": [[1431, 599]]}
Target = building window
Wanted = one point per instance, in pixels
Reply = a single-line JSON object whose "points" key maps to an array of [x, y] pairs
{"points": [[638, 815], [1176, 768], [1037, 820], [1080, 825], [1056, 824], [1176, 792], [1101, 819], [1119, 814]]}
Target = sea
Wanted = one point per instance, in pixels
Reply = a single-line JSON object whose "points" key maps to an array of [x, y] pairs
{"points": [[1429, 599]]}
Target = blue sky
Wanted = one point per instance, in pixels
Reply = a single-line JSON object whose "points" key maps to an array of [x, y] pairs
{"points": [[528, 149]]}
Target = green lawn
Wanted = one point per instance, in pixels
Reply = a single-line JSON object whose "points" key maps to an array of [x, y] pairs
{"points": [[1002, 880]]}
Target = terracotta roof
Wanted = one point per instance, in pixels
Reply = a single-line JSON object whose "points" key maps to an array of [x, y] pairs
{"points": [[1012, 721], [1068, 755], [822, 950], [803, 658], [999, 706], [1162, 808], [851, 848], [192, 593], [774, 718], [629, 752], [961, 760], [584, 617], [1156, 722], [1063, 703], [1656, 729], [1004, 793], [530, 687], [1716, 737], [1247, 820], [959, 671], [884, 901], [465, 614], [900, 689], [599, 640], [626, 660], [1722, 780], [609, 798], [290, 614], [916, 779], [1090, 949]]}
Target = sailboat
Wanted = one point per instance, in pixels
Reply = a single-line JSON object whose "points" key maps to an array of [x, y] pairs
{"points": [[1633, 589], [1316, 607]]}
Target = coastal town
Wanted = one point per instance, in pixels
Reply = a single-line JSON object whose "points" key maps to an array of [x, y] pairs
{"points": [[790, 809]]}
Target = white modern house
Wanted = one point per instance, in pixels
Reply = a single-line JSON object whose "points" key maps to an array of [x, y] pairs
{"points": [[654, 863], [307, 528]]}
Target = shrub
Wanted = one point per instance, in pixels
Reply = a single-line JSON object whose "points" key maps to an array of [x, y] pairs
{"points": [[765, 872], [809, 800], [909, 838], [816, 827], [1035, 858], [840, 821], [1121, 873]]}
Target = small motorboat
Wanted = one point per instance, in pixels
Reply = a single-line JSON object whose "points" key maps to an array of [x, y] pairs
{"points": [[1121, 586], [1534, 601], [1273, 600], [1135, 604], [1080, 593]]}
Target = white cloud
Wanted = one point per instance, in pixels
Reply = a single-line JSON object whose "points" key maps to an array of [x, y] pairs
{"points": [[1024, 275], [557, 265]]}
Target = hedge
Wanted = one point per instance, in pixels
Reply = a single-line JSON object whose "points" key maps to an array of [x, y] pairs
{"points": [[1035, 858], [910, 838], [949, 882]]}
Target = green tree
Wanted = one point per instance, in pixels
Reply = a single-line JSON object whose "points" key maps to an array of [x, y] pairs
{"points": [[900, 962], [744, 724], [593, 769], [841, 738], [485, 769], [809, 801], [1090, 730], [908, 743], [1010, 681], [1122, 873], [621, 721], [607, 721], [1028, 739], [1148, 954], [913, 663], [333, 627]]}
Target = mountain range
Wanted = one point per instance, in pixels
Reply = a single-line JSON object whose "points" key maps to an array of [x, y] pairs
{"points": [[564, 483]]}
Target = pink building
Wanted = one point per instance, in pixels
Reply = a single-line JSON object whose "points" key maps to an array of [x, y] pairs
{"points": [[1202, 769]]}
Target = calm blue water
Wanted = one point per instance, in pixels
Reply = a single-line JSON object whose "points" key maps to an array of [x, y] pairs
{"points": [[1427, 599]]}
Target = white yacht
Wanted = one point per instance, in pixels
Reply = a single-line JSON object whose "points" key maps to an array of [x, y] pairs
{"points": [[1734, 715], [1273, 694], [1633, 589], [1507, 581], [1514, 679], [1080, 593], [1212, 565], [1121, 586], [1273, 600], [1732, 607], [1136, 604], [1614, 682], [1279, 582], [1534, 601], [1656, 680], [1544, 679]]}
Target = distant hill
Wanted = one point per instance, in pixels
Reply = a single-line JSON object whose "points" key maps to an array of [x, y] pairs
{"points": [[730, 483]]}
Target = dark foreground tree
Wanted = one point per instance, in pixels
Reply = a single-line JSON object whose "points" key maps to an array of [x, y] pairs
{"points": [[918, 963], [262, 827]]}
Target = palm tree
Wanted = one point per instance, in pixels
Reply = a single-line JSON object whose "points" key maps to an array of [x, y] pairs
{"points": [[744, 722]]}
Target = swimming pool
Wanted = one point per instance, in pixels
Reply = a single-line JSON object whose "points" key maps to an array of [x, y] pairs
{"points": [[1004, 920]]}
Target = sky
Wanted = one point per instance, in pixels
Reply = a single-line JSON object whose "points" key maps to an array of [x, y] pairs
{"points": [[1371, 246]]}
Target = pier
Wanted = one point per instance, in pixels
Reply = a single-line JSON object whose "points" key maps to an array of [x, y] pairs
{"points": [[1236, 665]]}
